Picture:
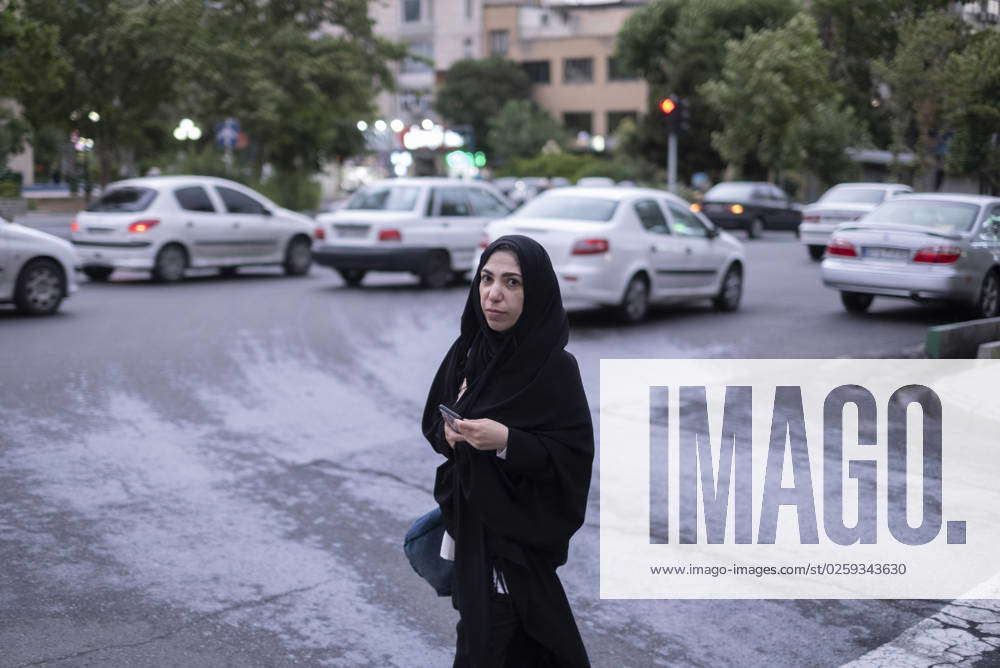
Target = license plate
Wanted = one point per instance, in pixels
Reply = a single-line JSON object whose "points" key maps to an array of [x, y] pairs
{"points": [[877, 253], [715, 207], [351, 231]]}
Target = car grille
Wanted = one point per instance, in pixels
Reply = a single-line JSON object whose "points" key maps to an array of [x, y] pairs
{"points": [[351, 231]]}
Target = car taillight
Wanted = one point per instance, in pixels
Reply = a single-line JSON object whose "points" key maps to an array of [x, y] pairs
{"points": [[842, 248], [810, 219], [74, 226], [319, 233], [938, 254], [736, 208], [695, 206], [143, 225], [485, 241], [390, 235], [590, 247]]}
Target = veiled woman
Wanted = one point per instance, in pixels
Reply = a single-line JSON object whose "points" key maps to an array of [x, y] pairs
{"points": [[514, 483]]}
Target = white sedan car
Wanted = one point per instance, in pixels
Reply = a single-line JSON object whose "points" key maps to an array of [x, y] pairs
{"points": [[626, 247], [36, 269], [840, 204], [167, 224]]}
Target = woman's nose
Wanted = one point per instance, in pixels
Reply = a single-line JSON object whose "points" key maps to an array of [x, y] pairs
{"points": [[495, 293]]}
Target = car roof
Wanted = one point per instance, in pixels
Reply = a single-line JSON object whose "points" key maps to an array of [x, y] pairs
{"points": [[870, 185], [428, 181], [158, 181], [610, 192], [951, 197]]}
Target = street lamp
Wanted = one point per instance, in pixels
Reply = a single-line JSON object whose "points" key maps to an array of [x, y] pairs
{"points": [[362, 126], [380, 125], [186, 129], [94, 116], [396, 125]]}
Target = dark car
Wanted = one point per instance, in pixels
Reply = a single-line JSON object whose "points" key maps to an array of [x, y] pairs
{"points": [[752, 206]]}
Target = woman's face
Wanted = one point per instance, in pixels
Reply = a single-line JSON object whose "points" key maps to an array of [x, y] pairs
{"points": [[501, 291]]}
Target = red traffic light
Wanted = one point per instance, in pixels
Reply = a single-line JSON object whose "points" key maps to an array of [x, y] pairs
{"points": [[667, 105]]}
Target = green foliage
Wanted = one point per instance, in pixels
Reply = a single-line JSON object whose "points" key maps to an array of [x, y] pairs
{"points": [[293, 190], [474, 90], [973, 87], [919, 77], [777, 104], [574, 166], [520, 129]]}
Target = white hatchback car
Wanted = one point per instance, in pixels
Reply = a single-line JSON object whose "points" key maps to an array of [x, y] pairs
{"points": [[166, 224], [430, 227], [37, 269], [627, 247], [843, 203]]}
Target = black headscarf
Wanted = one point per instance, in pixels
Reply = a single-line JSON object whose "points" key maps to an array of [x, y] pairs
{"points": [[520, 512]]}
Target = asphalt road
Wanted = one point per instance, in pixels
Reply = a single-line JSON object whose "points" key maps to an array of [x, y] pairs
{"points": [[220, 473]]}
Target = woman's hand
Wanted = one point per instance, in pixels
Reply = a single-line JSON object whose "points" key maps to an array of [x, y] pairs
{"points": [[482, 434], [451, 435]]}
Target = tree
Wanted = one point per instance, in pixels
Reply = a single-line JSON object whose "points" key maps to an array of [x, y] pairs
{"points": [[30, 63], [918, 79], [778, 105], [973, 88], [475, 90], [859, 33], [520, 129], [677, 45]]}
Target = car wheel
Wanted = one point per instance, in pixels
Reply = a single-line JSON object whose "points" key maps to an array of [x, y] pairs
{"points": [[170, 264], [731, 290], [458, 277], [298, 257], [989, 297], [40, 288], [437, 271], [98, 274], [352, 277], [756, 229], [856, 302], [816, 252], [635, 301]]}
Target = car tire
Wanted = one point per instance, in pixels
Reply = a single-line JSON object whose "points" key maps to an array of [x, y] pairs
{"points": [[170, 264], [988, 304], [459, 277], [98, 274], [756, 228], [41, 287], [437, 271], [816, 252], [856, 302], [298, 257], [635, 300], [352, 277], [730, 291]]}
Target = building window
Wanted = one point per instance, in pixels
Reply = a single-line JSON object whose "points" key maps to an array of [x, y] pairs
{"points": [[616, 117], [498, 42], [618, 72], [578, 70], [467, 47], [411, 10], [537, 71], [468, 10], [419, 50], [578, 121]]}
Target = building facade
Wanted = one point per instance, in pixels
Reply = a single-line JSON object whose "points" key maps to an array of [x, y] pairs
{"points": [[567, 50]]}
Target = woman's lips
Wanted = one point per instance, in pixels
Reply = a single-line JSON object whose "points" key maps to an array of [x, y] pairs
{"points": [[494, 312]]}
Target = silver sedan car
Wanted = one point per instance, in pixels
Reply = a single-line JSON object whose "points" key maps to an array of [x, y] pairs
{"points": [[929, 247]]}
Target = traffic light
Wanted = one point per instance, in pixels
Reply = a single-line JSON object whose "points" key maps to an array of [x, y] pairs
{"points": [[682, 124], [668, 106]]}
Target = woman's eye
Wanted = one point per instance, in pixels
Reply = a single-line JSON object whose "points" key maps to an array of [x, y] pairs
{"points": [[513, 283]]}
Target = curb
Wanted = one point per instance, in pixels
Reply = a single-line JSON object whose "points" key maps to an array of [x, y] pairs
{"points": [[961, 340]]}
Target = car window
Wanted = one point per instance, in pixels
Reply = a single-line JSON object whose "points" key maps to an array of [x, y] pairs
{"points": [[761, 193], [651, 216], [384, 198], [485, 203], [685, 223], [939, 215], [778, 194], [991, 226], [452, 202], [854, 195], [125, 198], [729, 192], [569, 207], [194, 198], [237, 202]]}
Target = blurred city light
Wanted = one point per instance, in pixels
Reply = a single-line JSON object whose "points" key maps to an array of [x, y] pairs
{"points": [[362, 126], [380, 125], [187, 130], [396, 125], [94, 116], [427, 124]]}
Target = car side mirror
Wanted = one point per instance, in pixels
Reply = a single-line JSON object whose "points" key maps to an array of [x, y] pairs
{"points": [[993, 226], [267, 212]]}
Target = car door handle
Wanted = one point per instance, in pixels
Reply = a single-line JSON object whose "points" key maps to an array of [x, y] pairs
{"points": [[687, 251], [236, 224], [652, 249], [190, 223]]}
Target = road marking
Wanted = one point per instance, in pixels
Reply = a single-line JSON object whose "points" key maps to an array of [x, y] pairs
{"points": [[957, 635]]}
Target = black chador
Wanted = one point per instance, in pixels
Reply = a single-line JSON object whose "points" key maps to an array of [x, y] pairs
{"points": [[515, 514]]}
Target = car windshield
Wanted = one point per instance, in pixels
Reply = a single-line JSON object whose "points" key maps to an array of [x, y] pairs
{"points": [[124, 198], [569, 207], [853, 196], [729, 192], [385, 198], [934, 215]]}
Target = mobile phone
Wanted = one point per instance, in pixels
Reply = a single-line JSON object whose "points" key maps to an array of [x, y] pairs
{"points": [[449, 416]]}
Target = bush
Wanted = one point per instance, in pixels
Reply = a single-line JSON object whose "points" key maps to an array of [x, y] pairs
{"points": [[292, 190]]}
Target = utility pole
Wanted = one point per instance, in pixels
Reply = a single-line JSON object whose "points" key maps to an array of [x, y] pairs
{"points": [[669, 108]]}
